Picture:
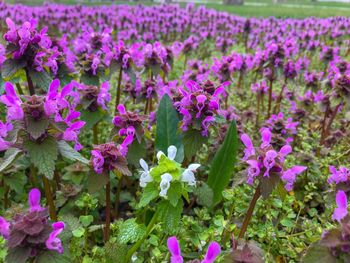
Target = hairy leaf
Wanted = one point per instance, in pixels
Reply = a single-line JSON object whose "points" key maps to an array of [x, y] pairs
{"points": [[167, 128], [319, 254], [223, 164], [193, 142], [41, 80], [43, 155], [11, 66], [130, 231], [10, 156], [149, 193], [68, 152], [204, 195], [36, 128], [18, 255], [170, 216]]}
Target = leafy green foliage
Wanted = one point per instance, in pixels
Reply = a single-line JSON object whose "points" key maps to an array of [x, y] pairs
{"points": [[318, 253], [170, 216], [36, 128], [9, 158], [136, 151], [41, 80], [68, 152], [193, 142], [18, 255], [91, 117], [43, 155], [11, 66], [167, 128], [204, 195], [149, 193], [223, 163], [130, 231]]}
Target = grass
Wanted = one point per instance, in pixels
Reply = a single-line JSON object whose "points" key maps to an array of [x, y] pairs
{"points": [[292, 8]]}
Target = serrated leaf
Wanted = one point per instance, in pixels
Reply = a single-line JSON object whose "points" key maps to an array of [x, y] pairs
{"points": [[167, 128], [11, 66], [43, 155], [91, 118], [174, 193], [90, 80], [79, 232], [319, 254], [68, 152], [96, 182], [223, 163], [170, 216], [149, 193], [41, 80], [86, 220], [130, 231], [18, 255], [204, 195], [16, 182], [268, 184], [193, 142], [115, 252], [136, 151], [36, 128], [54, 257], [10, 156]]}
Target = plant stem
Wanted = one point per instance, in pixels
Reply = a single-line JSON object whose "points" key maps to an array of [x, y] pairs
{"points": [[95, 133], [30, 83], [149, 229], [249, 213], [117, 98], [117, 196], [146, 107], [49, 199], [270, 100], [19, 89], [257, 110], [108, 210]]}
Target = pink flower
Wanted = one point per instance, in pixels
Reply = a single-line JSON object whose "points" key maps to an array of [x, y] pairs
{"points": [[34, 200], [175, 251], [342, 206], [53, 242], [4, 228], [213, 251]]}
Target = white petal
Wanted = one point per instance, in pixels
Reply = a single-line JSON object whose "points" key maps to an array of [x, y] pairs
{"points": [[144, 165], [159, 154], [172, 152], [145, 178], [166, 177], [188, 177], [193, 166]]}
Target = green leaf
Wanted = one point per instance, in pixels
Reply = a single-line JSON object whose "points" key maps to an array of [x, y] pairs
{"points": [[90, 80], [43, 155], [223, 164], [193, 142], [174, 193], [54, 257], [204, 195], [136, 151], [86, 220], [96, 182], [79, 232], [167, 128], [18, 255], [68, 152], [10, 156], [170, 216], [268, 184], [11, 66], [115, 252], [149, 193], [91, 118], [41, 80], [36, 128], [16, 182], [130, 231], [319, 254]]}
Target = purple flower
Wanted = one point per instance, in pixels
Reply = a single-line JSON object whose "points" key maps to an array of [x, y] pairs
{"points": [[213, 251], [338, 176], [289, 176], [13, 103], [342, 206], [53, 242], [34, 200], [104, 96], [4, 228], [175, 251]]}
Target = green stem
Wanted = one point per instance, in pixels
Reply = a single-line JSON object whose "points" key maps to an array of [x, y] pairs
{"points": [[49, 199], [270, 100], [249, 213], [137, 245], [117, 196], [19, 89], [117, 98], [30, 83], [107, 229], [95, 133]]}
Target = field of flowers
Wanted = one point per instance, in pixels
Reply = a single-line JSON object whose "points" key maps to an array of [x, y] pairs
{"points": [[172, 134]]}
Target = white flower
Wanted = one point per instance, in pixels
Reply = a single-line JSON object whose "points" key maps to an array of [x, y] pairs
{"points": [[188, 175], [145, 177], [165, 184], [171, 153]]}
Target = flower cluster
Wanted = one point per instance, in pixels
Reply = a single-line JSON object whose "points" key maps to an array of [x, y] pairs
{"points": [[339, 176], [109, 157], [265, 161], [50, 109], [167, 171], [31, 232], [213, 252], [199, 105]]}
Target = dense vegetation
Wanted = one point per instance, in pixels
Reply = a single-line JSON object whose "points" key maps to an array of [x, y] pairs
{"points": [[162, 133]]}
